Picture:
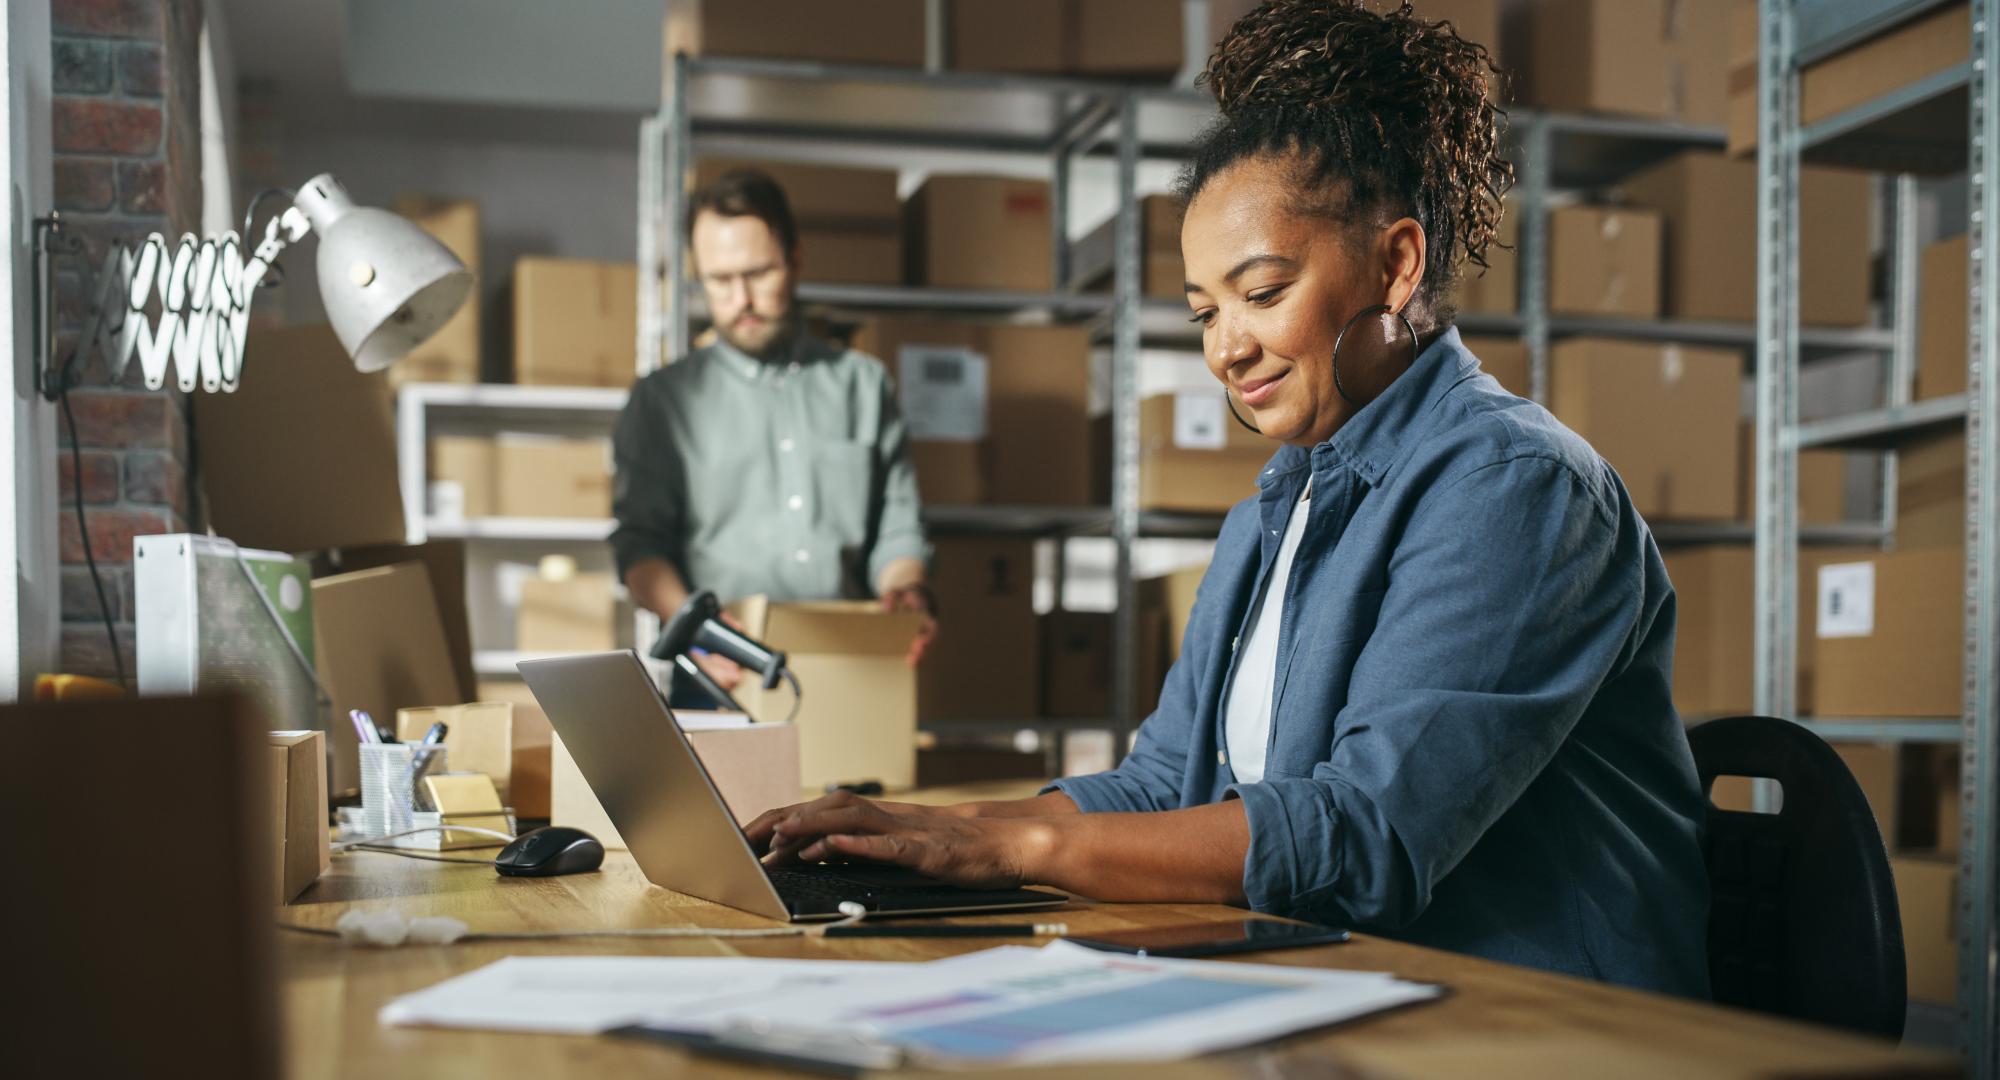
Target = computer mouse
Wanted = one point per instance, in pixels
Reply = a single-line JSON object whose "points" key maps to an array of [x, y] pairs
{"points": [[547, 852]]}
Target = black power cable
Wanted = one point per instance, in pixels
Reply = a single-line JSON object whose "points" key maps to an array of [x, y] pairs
{"points": [[83, 524]]}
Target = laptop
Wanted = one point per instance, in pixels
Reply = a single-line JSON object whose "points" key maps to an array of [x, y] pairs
{"points": [[617, 726]]}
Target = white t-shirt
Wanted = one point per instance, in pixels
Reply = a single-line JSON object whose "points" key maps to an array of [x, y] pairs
{"points": [[1247, 717]]}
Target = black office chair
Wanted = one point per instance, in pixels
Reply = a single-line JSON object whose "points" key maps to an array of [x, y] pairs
{"points": [[1804, 921]]}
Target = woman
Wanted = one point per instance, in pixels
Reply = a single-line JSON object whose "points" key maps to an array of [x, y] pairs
{"points": [[1424, 689]]}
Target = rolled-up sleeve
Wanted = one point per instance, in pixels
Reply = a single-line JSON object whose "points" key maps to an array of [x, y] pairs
{"points": [[899, 526], [1511, 597], [649, 488]]}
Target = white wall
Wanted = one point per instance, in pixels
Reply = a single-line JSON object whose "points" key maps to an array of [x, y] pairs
{"points": [[31, 597]]}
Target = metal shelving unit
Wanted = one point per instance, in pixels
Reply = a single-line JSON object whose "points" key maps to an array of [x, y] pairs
{"points": [[1939, 123]]}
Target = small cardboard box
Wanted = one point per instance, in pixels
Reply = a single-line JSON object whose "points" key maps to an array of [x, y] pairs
{"points": [[1708, 213], [1664, 416], [1889, 634], [1496, 289], [985, 663], [1941, 315], [543, 477], [1038, 437], [1930, 493], [1162, 275], [299, 809], [303, 455], [464, 477], [576, 322], [1076, 663], [1656, 58], [754, 766], [479, 737], [578, 614], [850, 221], [1506, 359], [1914, 50], [1605, 261], [1193, 456], [879, 33], [445, 562], [380, 647], [857, 719], [980, 232], [452, 354], [528, 775], [1127, 38], [1927, 894], [1822, 479]]}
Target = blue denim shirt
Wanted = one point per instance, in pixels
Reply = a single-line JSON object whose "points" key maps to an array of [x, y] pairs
{"points": [[1473, 745]]}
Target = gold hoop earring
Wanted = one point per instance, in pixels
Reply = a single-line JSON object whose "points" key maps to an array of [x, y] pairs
{"points": [[1229, 400], [1378, 309]]}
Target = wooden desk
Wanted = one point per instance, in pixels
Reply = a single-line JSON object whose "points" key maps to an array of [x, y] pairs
{"points": [[1497, 1021]]}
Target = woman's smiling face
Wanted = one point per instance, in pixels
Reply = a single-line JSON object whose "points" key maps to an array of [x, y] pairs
{"points": [[1272, 286]]}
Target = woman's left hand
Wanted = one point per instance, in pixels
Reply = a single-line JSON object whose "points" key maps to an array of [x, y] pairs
{"points": [[966, 851]]}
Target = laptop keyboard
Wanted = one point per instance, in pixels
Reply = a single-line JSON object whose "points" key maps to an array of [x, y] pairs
{"points": [[834, 886]]}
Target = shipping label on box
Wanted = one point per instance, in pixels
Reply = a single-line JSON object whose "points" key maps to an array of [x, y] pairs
{"points": [[1200, 422], [943, 392], [1847, 600]]}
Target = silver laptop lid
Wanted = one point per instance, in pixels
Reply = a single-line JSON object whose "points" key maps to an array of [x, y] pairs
{"points": [[627, 744]]}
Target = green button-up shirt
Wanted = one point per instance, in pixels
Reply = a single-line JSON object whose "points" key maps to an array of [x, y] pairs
{"points": [[790, 477]]}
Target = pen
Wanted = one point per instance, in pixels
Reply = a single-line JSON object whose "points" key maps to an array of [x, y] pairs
{"points": [[364, 726], [1004, 930], [420, 763]]}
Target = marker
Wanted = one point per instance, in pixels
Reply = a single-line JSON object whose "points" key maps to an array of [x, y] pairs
{"points": [[1002, 930]]}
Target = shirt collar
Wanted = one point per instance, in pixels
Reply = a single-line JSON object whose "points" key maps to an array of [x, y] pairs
{"points": [[1369, 441], [805, 349]]}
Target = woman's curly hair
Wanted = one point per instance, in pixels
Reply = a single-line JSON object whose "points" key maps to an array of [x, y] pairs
{"points": [[1385, 115]]}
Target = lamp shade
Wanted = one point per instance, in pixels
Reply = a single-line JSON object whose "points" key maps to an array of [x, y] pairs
{"points": [[385, 283]]}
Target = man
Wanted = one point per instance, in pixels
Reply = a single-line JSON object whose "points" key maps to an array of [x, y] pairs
{"points": [[765, 461]]}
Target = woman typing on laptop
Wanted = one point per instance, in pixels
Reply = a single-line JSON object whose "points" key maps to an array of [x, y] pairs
{"points": [[1424, 688]]}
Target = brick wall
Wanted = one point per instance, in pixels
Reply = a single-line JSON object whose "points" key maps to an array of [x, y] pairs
{"points": [[126, 128]]}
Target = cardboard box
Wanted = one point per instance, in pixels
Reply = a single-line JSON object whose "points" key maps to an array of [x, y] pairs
{"points": [[1076, 663], [1930, 807], [1192, 455], [380, 647], [858, 718], [985, 663], [1889, 637], [1038, 443], [1941, 319], [850, 221], [576, 322], [1664, 59], [1927, 894], [552, 478], [1698, 60], [1496, 289], [531, 736], [479, 737], [980, 232], [1714, 624], [1822, 479], [1708, 211], [445, 562], [299, 809], [1917, 49], [755, 767], [1165, 604], [1664, 416], [1507, 360], [1130, 38], [578, 614], [1604, 261], [303, 455], [462, 473], [951, 473], [1163, 276], [452, 354], [1930, 493], [878, 33]]}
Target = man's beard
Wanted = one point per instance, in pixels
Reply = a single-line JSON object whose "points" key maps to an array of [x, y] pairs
{"points": [[779, 342]]}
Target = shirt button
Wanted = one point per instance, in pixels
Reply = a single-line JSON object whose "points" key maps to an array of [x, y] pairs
{"points": [[1221, 757], [792, 368], [785, 446], [795, 502], [802, 555]]}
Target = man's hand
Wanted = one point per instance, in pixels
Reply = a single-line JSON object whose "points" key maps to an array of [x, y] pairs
{"points": [[917, 598], [942, 842]]}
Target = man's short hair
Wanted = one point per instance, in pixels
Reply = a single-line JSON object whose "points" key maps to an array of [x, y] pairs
{"points": [[747, 193]]}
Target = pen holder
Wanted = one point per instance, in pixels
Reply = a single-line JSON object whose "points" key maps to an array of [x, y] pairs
{"points": [[387, 790]]}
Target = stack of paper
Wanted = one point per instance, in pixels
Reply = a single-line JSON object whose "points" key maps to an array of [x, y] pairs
{"points": [[1061, 1003]]}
